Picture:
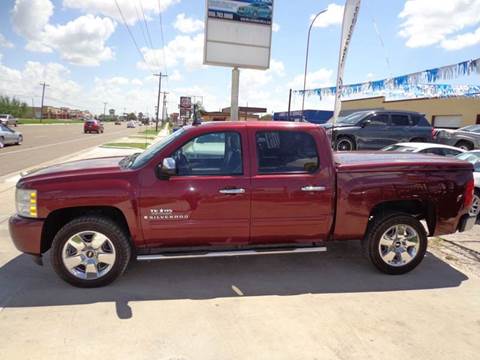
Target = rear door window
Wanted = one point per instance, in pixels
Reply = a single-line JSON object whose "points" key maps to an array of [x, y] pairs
{"points": [[400, 120], [286, 152]]}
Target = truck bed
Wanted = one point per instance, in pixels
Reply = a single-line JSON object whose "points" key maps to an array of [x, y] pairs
{"points": [[387, 161]]}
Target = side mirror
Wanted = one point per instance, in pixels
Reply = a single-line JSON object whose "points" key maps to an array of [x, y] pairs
{"points": [[167, 168], [365, 123]]}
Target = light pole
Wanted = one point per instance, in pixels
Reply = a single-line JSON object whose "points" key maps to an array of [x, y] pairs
{"points": [[306, 60], [104, 110]]}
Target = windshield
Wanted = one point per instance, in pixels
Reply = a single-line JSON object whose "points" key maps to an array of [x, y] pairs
{"points": [[471, 128], [352, 119], [401, 148], [471, 157], [148, 154]]}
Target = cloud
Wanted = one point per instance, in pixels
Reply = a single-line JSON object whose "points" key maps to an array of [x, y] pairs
{"points": [[320, 78], [275, 27], [131, 9], [29, 17], [81, 41], [333, 16], [187, 25], [184, 50], [4, 42], [431, 22]]}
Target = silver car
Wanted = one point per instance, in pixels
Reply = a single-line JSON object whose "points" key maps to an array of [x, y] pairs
{"points": [[9, 136], [467, 138], [7, 119]]}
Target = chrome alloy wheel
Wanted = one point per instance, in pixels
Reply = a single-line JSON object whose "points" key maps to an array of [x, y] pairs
{"points": [[344, 144], [88, 255], [475, 209], [399, 245]]}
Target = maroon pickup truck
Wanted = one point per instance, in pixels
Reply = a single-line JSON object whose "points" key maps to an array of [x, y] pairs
{"points": [[238, 188]]}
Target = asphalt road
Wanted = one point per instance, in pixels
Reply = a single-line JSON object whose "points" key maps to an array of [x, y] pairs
{"points": [[46, 142]]}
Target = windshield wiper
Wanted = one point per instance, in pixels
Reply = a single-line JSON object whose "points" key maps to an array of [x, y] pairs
{"points": [[128, 160]]}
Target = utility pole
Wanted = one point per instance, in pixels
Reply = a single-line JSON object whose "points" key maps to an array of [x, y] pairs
{"points": [[160, 75], [104, 110], [43, 96], [164, 106]]}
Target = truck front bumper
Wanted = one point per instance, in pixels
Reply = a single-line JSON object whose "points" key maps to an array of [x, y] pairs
{"points": [[26, 234], [466, 223]]}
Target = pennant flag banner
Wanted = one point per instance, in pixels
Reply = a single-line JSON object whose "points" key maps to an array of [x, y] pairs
{"points": [[417, 84]]}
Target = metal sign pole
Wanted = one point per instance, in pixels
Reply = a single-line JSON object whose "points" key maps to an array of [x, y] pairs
{"points": [[235, 92]]}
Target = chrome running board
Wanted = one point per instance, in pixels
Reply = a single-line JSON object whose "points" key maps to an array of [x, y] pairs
{"points": [[179, 255]]}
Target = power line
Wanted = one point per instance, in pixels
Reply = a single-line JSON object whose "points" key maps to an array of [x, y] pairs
{"points": [[130, 32], [162, 37], [149, 42]]}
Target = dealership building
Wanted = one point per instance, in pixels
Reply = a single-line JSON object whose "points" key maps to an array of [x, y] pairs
{"points": [[450, 112]]}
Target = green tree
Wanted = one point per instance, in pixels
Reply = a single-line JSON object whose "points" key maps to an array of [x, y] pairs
{"points": [[13, 106]]}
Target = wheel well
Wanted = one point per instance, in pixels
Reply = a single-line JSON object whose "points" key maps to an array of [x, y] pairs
{"points": [[58, 218], [421, 210], [464, 141]]}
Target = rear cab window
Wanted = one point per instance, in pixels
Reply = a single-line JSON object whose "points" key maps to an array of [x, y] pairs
{"points": [[283, 151]]}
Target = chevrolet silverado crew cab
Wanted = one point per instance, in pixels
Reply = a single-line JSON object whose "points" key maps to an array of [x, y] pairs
{"points": [[237, 188]]}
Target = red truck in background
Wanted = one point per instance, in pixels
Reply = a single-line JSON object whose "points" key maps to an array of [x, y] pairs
{"points": [[237, 188]]}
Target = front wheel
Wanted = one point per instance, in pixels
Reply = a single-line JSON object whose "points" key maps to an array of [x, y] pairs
{"points": [[344, 144], [90, 251], [396, 243], [20, 140]]}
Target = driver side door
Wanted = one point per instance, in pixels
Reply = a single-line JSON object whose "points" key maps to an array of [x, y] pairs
{"points": [[207, 202]]}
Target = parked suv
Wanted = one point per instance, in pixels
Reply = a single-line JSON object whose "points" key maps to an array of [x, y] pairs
{"points": [[7, 119], [93, 126], [375, 129]]}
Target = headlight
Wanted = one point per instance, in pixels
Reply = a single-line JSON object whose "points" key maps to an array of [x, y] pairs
{"points": [[26, 202]]}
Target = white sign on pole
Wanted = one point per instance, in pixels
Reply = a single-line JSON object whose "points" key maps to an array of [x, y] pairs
{"points": [[238, 33], [350, 15]]}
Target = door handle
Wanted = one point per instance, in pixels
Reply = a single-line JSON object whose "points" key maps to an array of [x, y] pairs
{"points": [[232, 191], [311, 188]]}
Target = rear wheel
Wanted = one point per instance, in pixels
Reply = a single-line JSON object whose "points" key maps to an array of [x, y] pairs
{"points": [[396, 243], [344, 144], [475, 209], [90, 252], [465, 145]]}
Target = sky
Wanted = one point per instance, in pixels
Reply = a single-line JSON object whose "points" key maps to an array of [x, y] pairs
{"points": [[84, 51]]}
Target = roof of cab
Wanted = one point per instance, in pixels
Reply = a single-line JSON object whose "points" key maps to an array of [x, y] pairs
{"points": [[261, 124]]}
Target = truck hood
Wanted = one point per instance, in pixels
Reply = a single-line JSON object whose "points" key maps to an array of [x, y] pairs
{"points": [[360, 161], [79, 167]]}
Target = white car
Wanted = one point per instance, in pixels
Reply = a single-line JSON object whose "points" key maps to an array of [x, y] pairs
{"points": [[9, 136], [474, 158], [425, 148]]}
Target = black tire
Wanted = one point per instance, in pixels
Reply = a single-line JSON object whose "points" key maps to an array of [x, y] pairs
{"points": [[2, 143], [345, 143], [375, 231], [465, 145], [20, 140], [418, 140], [476, 201], [104, 226]]}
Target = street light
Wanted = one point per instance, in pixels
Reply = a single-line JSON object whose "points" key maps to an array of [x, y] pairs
{"points": [[306, 60]]}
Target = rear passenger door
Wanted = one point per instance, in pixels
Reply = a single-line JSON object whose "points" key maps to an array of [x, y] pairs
{"points": [[292, 187], [376, 134], [400, 128]]}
